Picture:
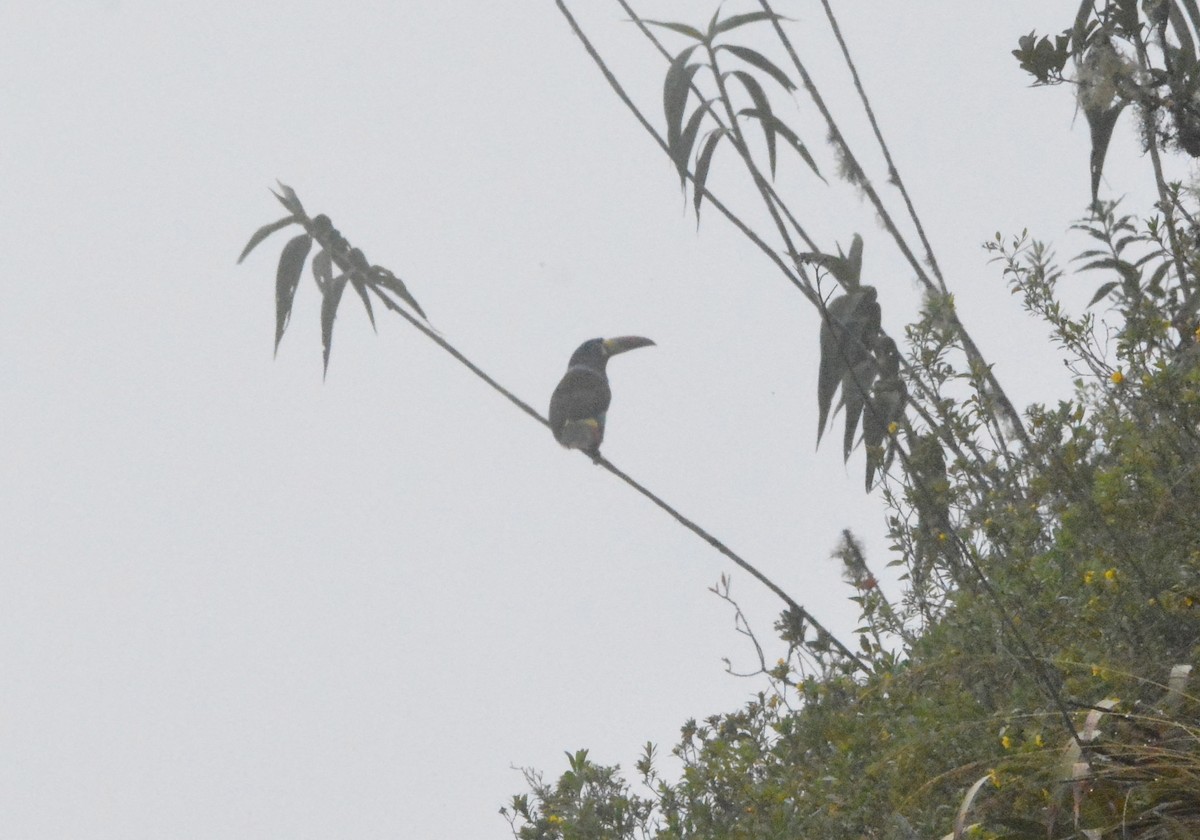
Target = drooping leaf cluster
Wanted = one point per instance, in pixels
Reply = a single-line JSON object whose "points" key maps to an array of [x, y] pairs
{"points": [[352, 266], [698, 134]]}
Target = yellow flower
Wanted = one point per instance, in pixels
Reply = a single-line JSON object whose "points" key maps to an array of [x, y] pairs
{"points": [[1089, 576], [554, 819], [995, 777], [943, 536], [1038, 742], [1117, 377], [1006, 742], [1097, 671], [1110, 575], [893, 428]]}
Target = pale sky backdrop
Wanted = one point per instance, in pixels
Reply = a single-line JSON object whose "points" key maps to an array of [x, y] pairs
{"points": [[238, 601]]}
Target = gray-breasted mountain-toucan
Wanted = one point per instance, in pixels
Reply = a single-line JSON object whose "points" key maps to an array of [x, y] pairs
{"points": [[580, 401]]}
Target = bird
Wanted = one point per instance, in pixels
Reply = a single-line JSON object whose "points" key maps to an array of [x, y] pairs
{"points": [[580, 401]]}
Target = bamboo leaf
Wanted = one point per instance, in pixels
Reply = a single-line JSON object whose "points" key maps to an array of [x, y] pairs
{"points": [[856, 385], [322, 269], [676, 86], [848, 331], [360, 286], [829, 375], [702, 165], [262, 233], [683, 151], [329, 306], [762, 105], [782, 128], [854, 262], [760, 61], [681, 28], [288, 198], [287, 278], [734, 21], [380, 276], [1101, 122], [712, 26]]}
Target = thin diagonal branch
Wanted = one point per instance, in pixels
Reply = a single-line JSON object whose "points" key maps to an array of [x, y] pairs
{"points": [[770, 252], [852, 660], [893, 172]]}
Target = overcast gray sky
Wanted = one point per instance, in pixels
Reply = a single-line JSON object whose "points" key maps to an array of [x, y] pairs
{"points": [[237, 601]]}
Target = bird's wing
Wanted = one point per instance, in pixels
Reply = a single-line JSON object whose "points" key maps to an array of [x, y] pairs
{"points": [[582, 394]]}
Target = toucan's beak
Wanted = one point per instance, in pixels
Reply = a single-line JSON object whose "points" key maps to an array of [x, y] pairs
{"points": [[613, 346]]}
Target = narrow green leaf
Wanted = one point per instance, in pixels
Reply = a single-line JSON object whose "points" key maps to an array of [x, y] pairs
{"points": [[734, 21], [682, 153], [762, 105], [676, 86], [681, 28], [288, 198], [780, 127], [1101, 122], [262, 233], [855, 263], [329, 306], [1102, 292], [287, 278], [856, 385], [702, 164], [837, 266], [360, 286], [760, 61], [322, 269], [848, 333], [829, 375], [712, 26], [380, 276]]}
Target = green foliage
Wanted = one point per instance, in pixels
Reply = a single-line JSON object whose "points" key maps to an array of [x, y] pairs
{"points": [[1033, 678], [1125, 53], [351, 263]]}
